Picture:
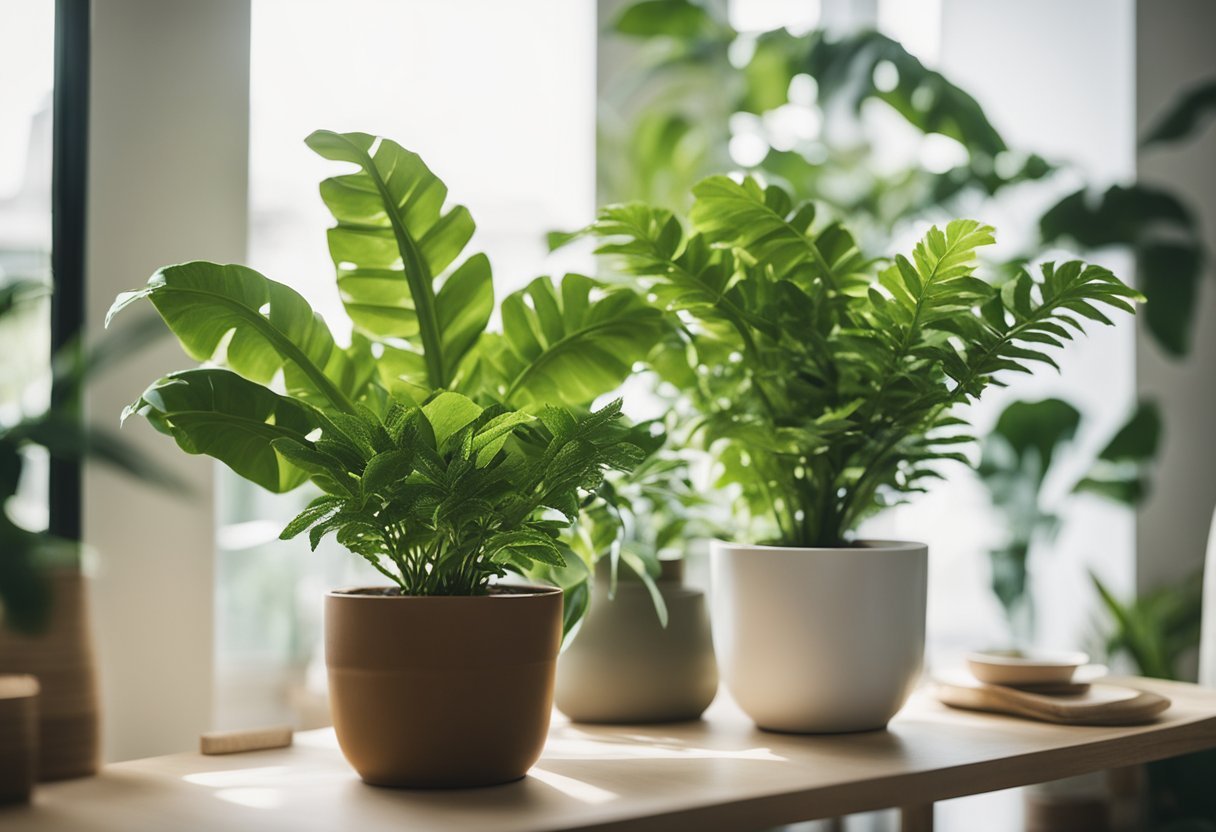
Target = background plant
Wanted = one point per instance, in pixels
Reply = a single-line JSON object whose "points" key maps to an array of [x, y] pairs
{"points": [[1017, 463], [27, 554], [427, 436], [826, 392], [693, 84]]}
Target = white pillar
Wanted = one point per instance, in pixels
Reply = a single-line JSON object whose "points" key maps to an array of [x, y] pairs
{"points": [[167, 183], [1173, 51]]}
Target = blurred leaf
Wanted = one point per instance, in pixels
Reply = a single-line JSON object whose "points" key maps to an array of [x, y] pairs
{"points": [[1029, 429], [1169, 275], [1122, 215], [25, 592], [667, 18], [1121, 471], [845, 68], [1157, 629], [19, 292], [1163, 234], [1185, 115]]}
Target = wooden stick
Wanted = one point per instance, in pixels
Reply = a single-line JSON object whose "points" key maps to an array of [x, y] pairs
{"points": [[235, 742]]}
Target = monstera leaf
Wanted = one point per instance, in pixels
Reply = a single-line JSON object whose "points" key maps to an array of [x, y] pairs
{"points": [[218, 413], [235, 316], [392, 245], [564, 344]]}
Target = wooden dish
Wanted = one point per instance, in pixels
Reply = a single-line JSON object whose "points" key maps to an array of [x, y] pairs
{"points": [[1021, 668], [1099, 704]]}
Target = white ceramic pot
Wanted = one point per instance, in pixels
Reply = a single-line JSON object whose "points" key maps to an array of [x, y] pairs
{"points": [[820, 640]]}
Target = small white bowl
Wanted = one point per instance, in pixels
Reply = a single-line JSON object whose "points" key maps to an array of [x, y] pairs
{"points": [[1025, 667]]}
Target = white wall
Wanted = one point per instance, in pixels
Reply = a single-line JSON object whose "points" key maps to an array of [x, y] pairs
{"points": [[167, 183], [1174, 50], [1056, 78]]}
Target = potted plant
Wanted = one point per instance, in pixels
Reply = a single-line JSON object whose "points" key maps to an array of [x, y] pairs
{"points": [[826, 394], [437, 457], [44, 611], [643, 653]]}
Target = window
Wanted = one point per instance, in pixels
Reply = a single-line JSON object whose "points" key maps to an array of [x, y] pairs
{"points": [[27, 35], [499, 98]]}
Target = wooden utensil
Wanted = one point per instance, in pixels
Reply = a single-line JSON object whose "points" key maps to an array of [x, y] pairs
{"points": [[1099, 704]]}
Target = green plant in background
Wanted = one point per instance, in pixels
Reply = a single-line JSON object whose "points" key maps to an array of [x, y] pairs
{"points": [[445, 454], [25, 554], [694, 84], [1158, 632], [827, 393], [1015, 464], [643, 517], [1154, 224]]}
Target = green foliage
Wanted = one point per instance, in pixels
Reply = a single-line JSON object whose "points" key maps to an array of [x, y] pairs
{"points": [[1156, 630], [1015, 465], [1165, 238], [643, 516], [62, 435], [437, 447], [443, 497], [391, 247], [561, 343], [824, 391], [696, 84], [1185, 116], [667, 118]]}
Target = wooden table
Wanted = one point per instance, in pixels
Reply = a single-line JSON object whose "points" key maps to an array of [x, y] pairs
{"points": [[718, 774]]}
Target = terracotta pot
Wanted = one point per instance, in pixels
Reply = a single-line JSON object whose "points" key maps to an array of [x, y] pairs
{"points": [[625, 667], [18, 737], [61, 659], [442, 692]]}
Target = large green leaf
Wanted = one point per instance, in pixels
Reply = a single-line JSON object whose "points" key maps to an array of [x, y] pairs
{"points": [[393, 243], [218, 413], [565, 344], [233, 315]]}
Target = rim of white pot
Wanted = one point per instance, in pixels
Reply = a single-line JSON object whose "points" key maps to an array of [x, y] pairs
{"points": [[866, 545]]}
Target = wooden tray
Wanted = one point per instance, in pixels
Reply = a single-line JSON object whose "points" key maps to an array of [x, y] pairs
{"points": [[1096, 704]]}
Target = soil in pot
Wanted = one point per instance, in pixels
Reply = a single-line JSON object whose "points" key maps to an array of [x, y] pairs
{"points": [[442, 691]]}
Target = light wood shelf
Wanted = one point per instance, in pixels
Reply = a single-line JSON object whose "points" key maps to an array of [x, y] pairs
{"points": [[717, 774]]}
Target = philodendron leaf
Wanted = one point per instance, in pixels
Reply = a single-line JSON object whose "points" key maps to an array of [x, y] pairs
{"points": [[571, 343], [218, 413], [392, 244], [235, 316]]}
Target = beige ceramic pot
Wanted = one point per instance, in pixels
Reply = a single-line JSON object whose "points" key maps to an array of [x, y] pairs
{"points": [[442, 692], [61, 659], [625, 667], [18, 737]]}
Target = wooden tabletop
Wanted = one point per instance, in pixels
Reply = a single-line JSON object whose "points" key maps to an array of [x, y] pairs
{"points": [[717, 774]]}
